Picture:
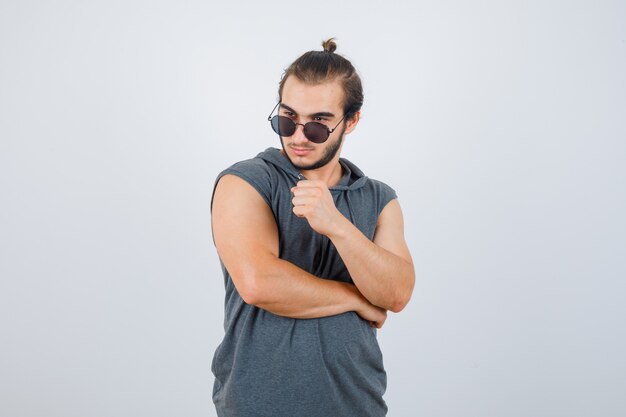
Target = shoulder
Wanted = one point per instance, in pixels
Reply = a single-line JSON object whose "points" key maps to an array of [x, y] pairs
{"points": [[255, 171], [252, 170], [381, 187], [252, 166], [382, 193]]}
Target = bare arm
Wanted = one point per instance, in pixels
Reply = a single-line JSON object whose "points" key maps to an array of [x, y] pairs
{"points": [[246, 238], [381, 269]]}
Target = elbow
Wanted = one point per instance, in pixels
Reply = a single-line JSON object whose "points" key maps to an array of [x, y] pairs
{"points": [[253, 276], [403, 297], [248, 295], [398, 305], [249, 287], [257, 279]]}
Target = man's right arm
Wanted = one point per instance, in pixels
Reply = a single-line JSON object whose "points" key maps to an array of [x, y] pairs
{"points": [[246, 238]]}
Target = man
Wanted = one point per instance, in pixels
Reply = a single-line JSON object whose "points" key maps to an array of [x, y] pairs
{"points": [[313, 256]]}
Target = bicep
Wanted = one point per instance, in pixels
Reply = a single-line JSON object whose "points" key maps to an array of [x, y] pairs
{"points": [[244, 229], [389, 232]]}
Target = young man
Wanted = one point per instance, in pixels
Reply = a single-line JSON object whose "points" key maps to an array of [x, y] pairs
{"points": [[313, 256]]}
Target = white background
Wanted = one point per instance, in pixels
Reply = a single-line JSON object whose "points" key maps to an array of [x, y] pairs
{"points": [[501, 125]]}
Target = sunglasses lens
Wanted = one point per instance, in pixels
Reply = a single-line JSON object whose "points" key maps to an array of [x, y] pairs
{"points": [[316, 132], [283, 126]]}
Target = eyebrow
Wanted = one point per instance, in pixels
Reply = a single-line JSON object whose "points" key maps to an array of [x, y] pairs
{"points": [[318, 114]]}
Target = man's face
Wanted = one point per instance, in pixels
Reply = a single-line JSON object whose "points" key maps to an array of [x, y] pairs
{"points": [[321, 103]]}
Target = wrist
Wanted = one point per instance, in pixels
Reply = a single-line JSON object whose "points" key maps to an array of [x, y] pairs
{"points": [[340, 227], [355, 300]]}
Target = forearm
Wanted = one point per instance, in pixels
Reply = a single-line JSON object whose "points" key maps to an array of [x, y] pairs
{"points": [[385, 279], [287, 290]]}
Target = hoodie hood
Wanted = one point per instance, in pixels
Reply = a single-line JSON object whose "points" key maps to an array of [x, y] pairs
{"points": [[352, 178]]}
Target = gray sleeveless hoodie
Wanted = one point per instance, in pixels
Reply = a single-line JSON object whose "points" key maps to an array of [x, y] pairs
{"points": [[274, 366]]}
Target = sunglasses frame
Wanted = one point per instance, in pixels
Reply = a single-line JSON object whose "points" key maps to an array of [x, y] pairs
{"points": [[329, 131]]}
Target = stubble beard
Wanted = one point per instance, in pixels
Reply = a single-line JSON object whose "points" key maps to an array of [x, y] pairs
{"points": [[329, 154]]}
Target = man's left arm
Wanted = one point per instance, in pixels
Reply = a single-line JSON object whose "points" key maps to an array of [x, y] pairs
{"points": [[382, 268]]}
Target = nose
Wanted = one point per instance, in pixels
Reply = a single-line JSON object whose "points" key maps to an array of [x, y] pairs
{"points": [[298, 135]]}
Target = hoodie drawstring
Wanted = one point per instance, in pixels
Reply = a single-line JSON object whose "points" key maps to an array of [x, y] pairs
{"points": [[352, 216]]}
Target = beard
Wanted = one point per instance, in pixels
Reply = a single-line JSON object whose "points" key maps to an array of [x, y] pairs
{"points": [[329, 154]]}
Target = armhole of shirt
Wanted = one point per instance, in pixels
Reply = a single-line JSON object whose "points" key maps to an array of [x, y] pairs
{"points": [[387, 194], [263, 191]]}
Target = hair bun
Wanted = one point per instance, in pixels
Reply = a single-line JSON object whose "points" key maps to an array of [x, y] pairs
{"points": [[329, 45]]}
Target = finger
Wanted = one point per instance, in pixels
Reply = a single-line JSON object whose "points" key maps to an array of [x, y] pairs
{"points": [[312, 191], [303, 201], [311, 184], [308, 183], [298, 211]]}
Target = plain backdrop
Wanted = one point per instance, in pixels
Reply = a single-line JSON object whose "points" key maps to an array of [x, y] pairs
{"points": [[501, 125]]}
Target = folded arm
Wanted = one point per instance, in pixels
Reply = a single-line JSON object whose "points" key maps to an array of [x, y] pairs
{"points": [[246, 238], [382, 268]]}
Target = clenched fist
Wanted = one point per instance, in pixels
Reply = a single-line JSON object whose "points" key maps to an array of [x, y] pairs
{"points": [[312, 200]]}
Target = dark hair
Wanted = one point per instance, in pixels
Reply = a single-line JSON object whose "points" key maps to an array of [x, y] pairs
{"points": [[315, 67]]}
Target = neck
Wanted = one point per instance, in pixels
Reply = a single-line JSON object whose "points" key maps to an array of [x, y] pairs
{"points": [[330, 173]]}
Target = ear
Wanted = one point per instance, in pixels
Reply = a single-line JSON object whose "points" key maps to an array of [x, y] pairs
{"points": [[351, 124]]}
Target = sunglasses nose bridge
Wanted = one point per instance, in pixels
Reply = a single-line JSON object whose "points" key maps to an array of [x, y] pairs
{"points": [[298, 134]]}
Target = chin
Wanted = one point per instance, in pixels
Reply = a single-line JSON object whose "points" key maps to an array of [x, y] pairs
{"points": [[313, 159]]}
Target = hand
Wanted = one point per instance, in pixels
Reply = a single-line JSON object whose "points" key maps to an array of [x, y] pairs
{"points": [[313, 200], [375, 315]]}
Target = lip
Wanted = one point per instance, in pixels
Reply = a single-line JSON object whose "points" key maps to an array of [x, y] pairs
{"points": [[301, 152]]}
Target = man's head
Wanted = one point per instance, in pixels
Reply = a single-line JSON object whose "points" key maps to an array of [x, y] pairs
{"points": [[323, 87]]}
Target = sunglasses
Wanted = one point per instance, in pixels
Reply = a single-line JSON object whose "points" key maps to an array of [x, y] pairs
{"points": [[314, 131]]}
